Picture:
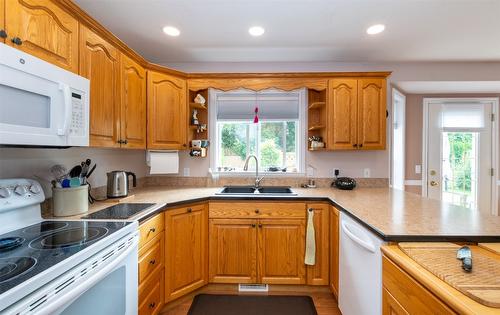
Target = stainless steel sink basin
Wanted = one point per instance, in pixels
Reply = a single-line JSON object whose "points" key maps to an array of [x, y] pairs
{"points": [[264, 190]]}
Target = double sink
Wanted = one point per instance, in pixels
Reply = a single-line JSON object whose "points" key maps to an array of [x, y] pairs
{"points": [[263, 190]]}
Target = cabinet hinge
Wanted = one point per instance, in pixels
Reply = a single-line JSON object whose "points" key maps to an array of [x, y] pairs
{"points": [[492, 117], [492, 172]]}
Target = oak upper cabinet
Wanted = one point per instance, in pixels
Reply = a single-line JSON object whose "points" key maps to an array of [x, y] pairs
{"points": [[356, 114], [167, 112], [371, 114], [342, 114], [133, 105], [100, 63], [186, 258], [281, 249], [319, 273], [43, 29], [233, 251], [334, 251]]}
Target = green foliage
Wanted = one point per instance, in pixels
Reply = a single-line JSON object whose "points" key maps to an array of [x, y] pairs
{"points": [[460, 151], [269, 154], [231, 143]]}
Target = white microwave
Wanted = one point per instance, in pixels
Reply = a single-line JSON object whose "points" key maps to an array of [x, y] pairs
{"points": [[40, 103]]}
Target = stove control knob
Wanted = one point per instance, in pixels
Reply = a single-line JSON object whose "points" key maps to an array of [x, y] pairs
{"points": [[35, 189], [20, 190], [4, 192]]}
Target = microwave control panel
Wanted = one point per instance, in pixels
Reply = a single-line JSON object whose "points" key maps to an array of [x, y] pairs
{"points": [[78, 126]]}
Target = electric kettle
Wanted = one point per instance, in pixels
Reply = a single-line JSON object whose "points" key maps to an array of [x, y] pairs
{"points": [[118, 183]]}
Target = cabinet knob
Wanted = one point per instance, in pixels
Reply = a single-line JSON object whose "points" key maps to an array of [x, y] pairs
{"points": [[152, 230], [3, 34], [253, 225], [184, 145], [257, 211], [152, 262], [360, 145], [260, 225], [152, 305], [189, 210], [355, 145], [17, 41]]}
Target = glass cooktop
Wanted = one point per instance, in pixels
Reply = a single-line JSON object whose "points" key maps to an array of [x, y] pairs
{"points": [[28, 251], [119, 211]]}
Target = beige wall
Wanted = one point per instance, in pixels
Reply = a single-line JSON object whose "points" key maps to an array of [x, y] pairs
{"points": [[414, 123]]}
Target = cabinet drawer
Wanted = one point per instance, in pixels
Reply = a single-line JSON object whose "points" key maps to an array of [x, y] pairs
{"points": [[150, 260], [149, 229], [150, 295], [256, 210], [411, 295]]}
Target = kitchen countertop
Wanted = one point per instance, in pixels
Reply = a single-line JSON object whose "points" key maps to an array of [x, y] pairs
{"points": [[392, 214]]}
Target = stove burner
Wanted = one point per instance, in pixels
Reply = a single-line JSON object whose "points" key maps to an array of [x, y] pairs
{"points": [[45, 226], [10, 243], [14, 266], [69, 238]]}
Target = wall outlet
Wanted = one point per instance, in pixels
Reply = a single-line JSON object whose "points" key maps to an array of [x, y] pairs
{"points": [[335, 172], [418, 169], [186, 171], [366, 172]]}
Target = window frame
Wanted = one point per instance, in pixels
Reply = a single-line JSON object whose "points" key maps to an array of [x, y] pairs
{"points": [[214, 134]]}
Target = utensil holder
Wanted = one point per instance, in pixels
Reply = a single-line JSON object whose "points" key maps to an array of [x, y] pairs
{"points": [[70, 201]]}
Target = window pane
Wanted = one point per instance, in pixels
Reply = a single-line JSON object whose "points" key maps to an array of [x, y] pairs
{"points": [[233, 145], [271, 144], [291, 146]]}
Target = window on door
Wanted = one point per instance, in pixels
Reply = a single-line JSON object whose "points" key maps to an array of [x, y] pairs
{"points": [[459, 168], [276, 139]]}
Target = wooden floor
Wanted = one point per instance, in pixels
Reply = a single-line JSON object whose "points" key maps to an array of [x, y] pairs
{"points": [[323, 299]]}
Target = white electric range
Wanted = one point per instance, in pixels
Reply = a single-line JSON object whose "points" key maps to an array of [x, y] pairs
{"points": [[62, 267]]}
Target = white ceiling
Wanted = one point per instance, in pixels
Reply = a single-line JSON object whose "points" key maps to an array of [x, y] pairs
{"points": [[439, 87], [305, 30]]}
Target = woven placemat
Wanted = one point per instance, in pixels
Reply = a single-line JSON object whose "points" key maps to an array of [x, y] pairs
{"points": [[481, 285]]}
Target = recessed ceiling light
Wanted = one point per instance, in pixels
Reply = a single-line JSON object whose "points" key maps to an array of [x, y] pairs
{"points": [[375, 29], [256, 30], [171, 31]]}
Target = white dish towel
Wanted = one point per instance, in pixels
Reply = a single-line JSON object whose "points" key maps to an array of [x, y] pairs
{"points": [[310, 258]]}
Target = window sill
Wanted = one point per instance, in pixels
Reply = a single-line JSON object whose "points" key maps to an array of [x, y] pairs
{"points": [[252, 174]]}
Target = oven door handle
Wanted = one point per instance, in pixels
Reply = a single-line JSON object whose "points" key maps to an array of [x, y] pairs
{"points": [[75, 292], [67, 109]]}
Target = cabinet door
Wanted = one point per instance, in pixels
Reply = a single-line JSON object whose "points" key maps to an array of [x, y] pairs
{"points": [[281, 246], [167, 108], [233, 251], [371, 114], [46, 31], [334, 251], [342, 114], [133, 105], [319, 273], [2, 21], [390, 306], [186, 255], [100, 63]]}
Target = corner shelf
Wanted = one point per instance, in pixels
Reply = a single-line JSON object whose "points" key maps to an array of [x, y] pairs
{"points": [[202, 109], [198, 106], [312, 128], [317, 116], [316, 105]]}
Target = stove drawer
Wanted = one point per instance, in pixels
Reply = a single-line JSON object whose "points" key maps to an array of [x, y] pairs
{"points": [[149, 229], [151, 293], [151, 258]]}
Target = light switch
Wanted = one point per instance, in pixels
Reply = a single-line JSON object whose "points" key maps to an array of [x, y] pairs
{"points": [[366, 172], [418, 169], [186, 171]]}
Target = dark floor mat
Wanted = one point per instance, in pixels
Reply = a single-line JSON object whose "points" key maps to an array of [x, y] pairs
{"points": [[213, 304]]}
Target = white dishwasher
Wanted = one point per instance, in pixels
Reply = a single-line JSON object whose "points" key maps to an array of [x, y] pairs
{"points": [[360, 264]]}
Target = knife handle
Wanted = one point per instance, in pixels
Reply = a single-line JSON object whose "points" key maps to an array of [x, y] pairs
{"points": [[467, 264]]}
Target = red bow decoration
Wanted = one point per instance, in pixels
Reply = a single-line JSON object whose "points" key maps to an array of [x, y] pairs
{"points": [[256, 118]]}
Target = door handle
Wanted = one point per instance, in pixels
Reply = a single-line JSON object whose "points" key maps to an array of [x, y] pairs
{"points": [[366, 245], [67, 109], [434, 183]]}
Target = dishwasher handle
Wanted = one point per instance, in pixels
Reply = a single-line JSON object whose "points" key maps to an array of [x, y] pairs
{"points": [[366, 245]]}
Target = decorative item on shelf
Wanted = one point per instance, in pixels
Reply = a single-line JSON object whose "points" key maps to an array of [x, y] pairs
{"points": [[201, 128], [199, 99], [194, 118], [256, 110], [198, 152], [316, 142]]}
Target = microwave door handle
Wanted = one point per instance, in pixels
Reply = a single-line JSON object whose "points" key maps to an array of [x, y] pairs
{"points": [[67, 109]]}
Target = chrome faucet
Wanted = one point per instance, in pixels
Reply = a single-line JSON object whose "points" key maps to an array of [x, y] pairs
{"points": [[245, 168]]}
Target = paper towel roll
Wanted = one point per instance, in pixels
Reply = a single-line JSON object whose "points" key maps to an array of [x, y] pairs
{"points": [[163, 162]]}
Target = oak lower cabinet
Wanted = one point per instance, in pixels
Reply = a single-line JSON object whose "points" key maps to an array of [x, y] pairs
{"points": [[186, 245], [151, 265], [42, 29], [334, 250], [319, 274], [3, 32], [100, 63], [167, 112], [356, 110], [281, 248], [233, 250]]}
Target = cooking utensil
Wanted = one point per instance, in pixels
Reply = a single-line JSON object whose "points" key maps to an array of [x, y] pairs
{"points": [[75, 171], [85, 169], [59, 172], [91, 170], [465, 255]]}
